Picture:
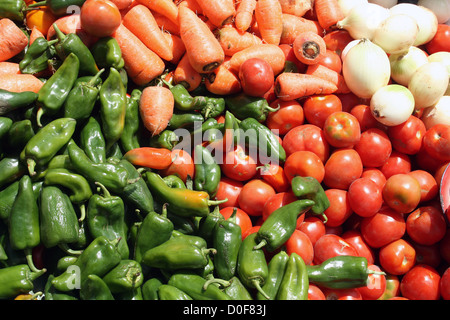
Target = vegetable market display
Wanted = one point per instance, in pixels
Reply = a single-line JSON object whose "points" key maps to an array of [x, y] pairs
{"points": [[224, 150]]}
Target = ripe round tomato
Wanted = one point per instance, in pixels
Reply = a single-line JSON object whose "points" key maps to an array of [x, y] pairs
{"points": [[331, 245], [339, 209], [275, 176], [376, 284], [100, 18], [426, 225], [342, 294], [421, 283], [383, 227], [182, 166], [332, 61], [440, 41], [242, 218], [307, 137], [365, 117], [407, 136], [375, 175], [444, 247], [444, 285], [374, 147], [228, 189], [256, 76], [355, 239], [342, 129], [429, 255], [290, 115], [300, 243], [402, 193], [397, 257], [364, 197], [277, 201], [436, 142], [313, 227], [249, 231], [254, 195], [305, 164], [318, 107], [238, 165], [342, 168], [396, 163], [315, 293], [428, 185], [337, 40]]}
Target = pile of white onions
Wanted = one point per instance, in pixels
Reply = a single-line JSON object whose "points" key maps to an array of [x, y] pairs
{"points": [[441, 8]]}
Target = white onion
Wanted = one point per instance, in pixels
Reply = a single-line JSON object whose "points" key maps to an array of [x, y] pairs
{"points": [[362, 21], [396, 33], [385, 3], [349, 45], [441, 8], [404, 65], [392, 105], [425, 18], [444, 57], [428, 84], [438, 113], [347, 5], [366, 68]]}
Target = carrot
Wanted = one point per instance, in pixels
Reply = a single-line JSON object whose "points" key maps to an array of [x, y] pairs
{"points": [[165, 24], [269, 17], [141, 63], [326, 73], [290, 86], [232, 40], [176, 45], [309, 48], [140, 21], [156, 108], [193, 5], [20, 82], [203, 49], [219, 12], [186, 75], [9, 68], [328, 12], [244, 14], [34, 34], [71, 24], [12, 39], [165, 7], [293, 26], [222, 81], [269, 52], [296, 7], [122, 4]]}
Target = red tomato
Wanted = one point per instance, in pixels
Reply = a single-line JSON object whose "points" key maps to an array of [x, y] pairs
{"points": [[313, 227], [355, 239], [364, 197], [407, 136], [421, 283], [100, 18], [365, 117], [332, 61], [339, 209], [318, 107], [436, 142], [374, 147], [342, 168], [290, 115], [397, 257], [440, 41], [342, 129], [242, 218], [300, 243], [428, 255], [402, 193], [342, 294], [337, 40], [228, 189], [376, 284], [274, 175], [307, 137], [383, 227], [331, 245], [425, 161], [444, 247], [254, 195], [277, 201], [290, 57], [256, 76], [349, 101], [375, 175], [396, 163], [426, 225], [438, 174], [428, 185], [249, 231], [182, 165], [305, 164], [238, 165], [444, 285], [315, 293]]}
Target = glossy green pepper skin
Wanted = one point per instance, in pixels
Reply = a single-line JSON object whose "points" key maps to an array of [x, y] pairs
{"points": [[10, 101], [5, 125], [36, 57], [94, 288], [166, 139], [244, 106], [99, 257], [105, 216], [113, 105], [168, 292], [9, 194], [11, 169], [184, 120], [92, 141], [16, 280], [277, 268], [295, 282], [208, 224], [12, 9], [193, 286], [20, 133], [57, 219], [129, 138], [50, 293], [207, 171], [126, 276], [46, 143], [150, 289], [310, 188], [236, 290], [280, 225], [107, 53]]}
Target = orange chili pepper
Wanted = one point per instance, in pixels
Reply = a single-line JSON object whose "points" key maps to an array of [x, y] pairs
{"points": [[149, 157], [41, 18]]}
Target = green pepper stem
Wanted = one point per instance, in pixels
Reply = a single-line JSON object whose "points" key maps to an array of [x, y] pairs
{"points": [[270, 109], [51, 42], [216, 202], [222, 282], [164, 210], [39, 114], [33, 275], [38, 4], [257, 285], [61, 36], [376, 272], [208, 251], [65, 248], [29, 257], [105, 191], [31, 164], [82, 212], [261, 244], [95, 78]]}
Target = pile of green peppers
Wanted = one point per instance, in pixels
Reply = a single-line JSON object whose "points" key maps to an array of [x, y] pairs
{"points": [[78, 221]]}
